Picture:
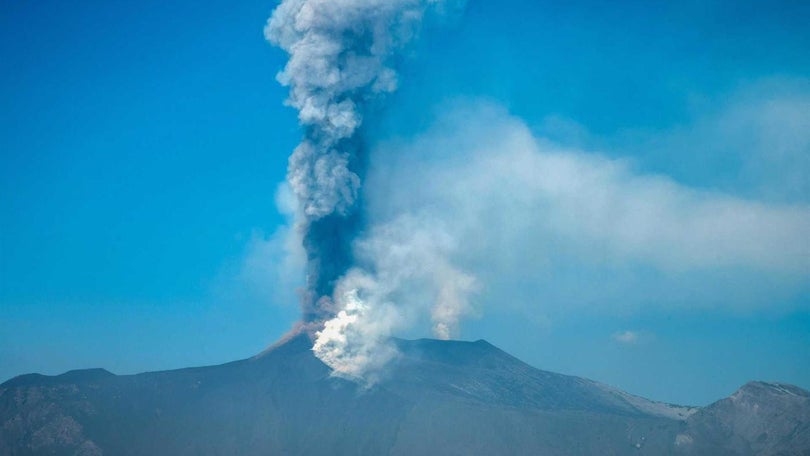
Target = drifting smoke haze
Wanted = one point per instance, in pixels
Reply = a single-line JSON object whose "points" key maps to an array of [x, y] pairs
{"points": [[551, 228], [339, 62]]}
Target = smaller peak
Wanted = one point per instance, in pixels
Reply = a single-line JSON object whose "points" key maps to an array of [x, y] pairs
{"points": [[429, 344], [427, 341], [771, 388], [454, 352]]}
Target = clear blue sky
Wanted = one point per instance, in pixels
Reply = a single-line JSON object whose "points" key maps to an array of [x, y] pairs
{"points": [[141, 145]]}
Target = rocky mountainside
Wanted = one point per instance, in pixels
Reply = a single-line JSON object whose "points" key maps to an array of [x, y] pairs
{"points": [[439, 398], [760, 418]]}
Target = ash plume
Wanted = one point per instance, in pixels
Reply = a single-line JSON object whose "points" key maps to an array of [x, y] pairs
{"points": [[339, 61]]}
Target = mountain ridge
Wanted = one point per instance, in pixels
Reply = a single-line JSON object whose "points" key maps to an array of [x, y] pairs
{"points": [[437, 397]]}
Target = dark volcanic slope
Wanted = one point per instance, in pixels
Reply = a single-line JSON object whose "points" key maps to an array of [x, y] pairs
{"points": [[459, 398]]}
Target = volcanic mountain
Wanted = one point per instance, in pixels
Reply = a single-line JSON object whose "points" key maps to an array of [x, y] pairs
{"points": [[438, 398]]}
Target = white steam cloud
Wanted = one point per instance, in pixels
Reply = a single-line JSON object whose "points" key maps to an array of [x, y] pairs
{"points": [[412, 276]]}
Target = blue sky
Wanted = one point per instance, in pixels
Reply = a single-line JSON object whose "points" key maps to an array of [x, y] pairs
{"points": [[142, 147]]}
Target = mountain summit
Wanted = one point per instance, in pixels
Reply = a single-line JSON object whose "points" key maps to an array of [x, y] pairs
{"points": [[437, 398]]}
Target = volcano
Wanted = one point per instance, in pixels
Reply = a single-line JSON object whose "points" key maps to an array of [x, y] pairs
{"points": [[437, 398]]}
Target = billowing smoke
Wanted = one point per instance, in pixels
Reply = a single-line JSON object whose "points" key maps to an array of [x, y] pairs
{"points": [[340, 60], [411, 277]]}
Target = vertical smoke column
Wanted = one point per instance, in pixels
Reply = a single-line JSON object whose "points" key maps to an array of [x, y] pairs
{"points": [[339, 52]]}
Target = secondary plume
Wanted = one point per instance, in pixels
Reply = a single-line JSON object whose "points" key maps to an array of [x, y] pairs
{"points": [[339, 60]]}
